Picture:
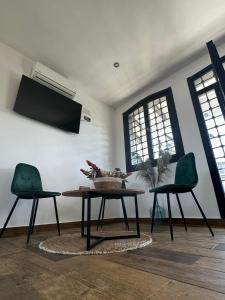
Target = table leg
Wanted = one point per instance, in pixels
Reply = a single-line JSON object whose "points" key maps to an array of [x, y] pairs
{"points": [[83, 214], [88, 223], [137, 216]]}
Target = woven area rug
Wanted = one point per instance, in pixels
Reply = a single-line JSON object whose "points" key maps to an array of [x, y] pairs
{"points": [[74, 244]]}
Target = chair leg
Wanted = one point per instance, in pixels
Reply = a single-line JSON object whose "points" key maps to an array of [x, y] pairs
{"points": [[153, 211], [56, 215], [9, 216], [181, 211], [31, 220], [125, 213], [202, 213], [35, 213], [170, 216], [103, 212], [100, 213]]}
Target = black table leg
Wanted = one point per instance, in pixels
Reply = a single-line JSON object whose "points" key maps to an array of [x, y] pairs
{"points": [[103, 211], [100, 214], [125, 213], [88, 223], [83, 215], [100, 239], [137, 216]]}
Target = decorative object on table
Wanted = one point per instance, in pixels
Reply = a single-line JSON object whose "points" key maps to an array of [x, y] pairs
{"points": [[74, 244], [186, 178], [107, 183], [105, 179], [27, 184], [153, 176]]}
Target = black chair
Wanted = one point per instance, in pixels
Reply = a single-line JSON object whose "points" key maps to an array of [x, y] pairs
{"points": [[102, 211], [27, 184], [186, 178]]}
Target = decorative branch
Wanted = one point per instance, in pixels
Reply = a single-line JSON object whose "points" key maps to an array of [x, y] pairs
{"points": [[153, 175], [95, 172]]}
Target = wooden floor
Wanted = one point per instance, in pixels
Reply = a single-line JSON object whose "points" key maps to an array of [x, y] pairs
{"points": [[190, 267]]}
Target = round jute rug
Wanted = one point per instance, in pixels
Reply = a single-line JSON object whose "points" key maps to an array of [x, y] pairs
{"points": [[74, 244]]}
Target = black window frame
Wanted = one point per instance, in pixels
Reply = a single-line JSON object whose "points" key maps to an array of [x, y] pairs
{"points": [[216, 181], [174, 125]]}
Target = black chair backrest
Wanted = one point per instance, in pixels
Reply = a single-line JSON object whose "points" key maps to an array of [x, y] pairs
{"points": [[186, 173], [26, 179]]}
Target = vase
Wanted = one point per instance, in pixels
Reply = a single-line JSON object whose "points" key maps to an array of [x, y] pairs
{"points": [[160, 214], [107, 183]]}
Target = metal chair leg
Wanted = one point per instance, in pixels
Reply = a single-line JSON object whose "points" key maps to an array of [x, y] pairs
{"points": [[125, 213], [31, 220], [202, 213], [9, 216], [153, 212], [35, 213], [181, 211], [100, 213], [170, 215], [56, 215], [103, 212]]}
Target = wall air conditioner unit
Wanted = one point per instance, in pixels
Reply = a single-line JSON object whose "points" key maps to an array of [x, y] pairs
{"points": [[52, 80]]}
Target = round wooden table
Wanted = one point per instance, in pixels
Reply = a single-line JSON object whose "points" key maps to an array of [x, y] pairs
{"points": [[89, 194]]}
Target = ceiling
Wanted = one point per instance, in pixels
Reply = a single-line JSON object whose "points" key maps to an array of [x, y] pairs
{"points": [[81, 39]]}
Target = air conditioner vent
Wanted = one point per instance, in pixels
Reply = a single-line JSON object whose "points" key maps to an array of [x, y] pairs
{"points": [[53, 80]]}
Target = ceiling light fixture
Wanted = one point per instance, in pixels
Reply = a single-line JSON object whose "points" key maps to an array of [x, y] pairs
{"points": [[116, 64]]}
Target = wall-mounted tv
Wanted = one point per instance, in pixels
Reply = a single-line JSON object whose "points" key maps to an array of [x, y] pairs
{"points": [[38, 102]]}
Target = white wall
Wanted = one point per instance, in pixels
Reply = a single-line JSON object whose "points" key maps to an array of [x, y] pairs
{"points": [[191, 140], [57, 154]]}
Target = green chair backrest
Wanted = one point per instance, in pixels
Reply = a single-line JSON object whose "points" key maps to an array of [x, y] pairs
{"points": [[26, 179], [186, 173]]}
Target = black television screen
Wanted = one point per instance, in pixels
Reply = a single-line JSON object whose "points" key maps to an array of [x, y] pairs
{"points": [[38, 102]]}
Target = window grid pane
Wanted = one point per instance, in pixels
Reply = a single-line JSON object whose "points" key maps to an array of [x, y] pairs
{"points": [[160, 127], [205, 80], [137, 136], [215, 124]]}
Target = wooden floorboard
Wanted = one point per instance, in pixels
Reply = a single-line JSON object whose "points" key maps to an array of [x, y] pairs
{"points": [[190, 267], [168, 255]]}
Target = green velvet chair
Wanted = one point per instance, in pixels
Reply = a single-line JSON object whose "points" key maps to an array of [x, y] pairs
{"points": [[27, 184], [186, 178]]}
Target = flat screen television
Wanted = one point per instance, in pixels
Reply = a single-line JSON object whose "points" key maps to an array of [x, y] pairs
{"points": [[39, 102]]}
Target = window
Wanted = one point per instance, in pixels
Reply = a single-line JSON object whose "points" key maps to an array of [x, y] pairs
{"points": [[150, 124], [209, 108], [160, 126], [205, 80]]}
